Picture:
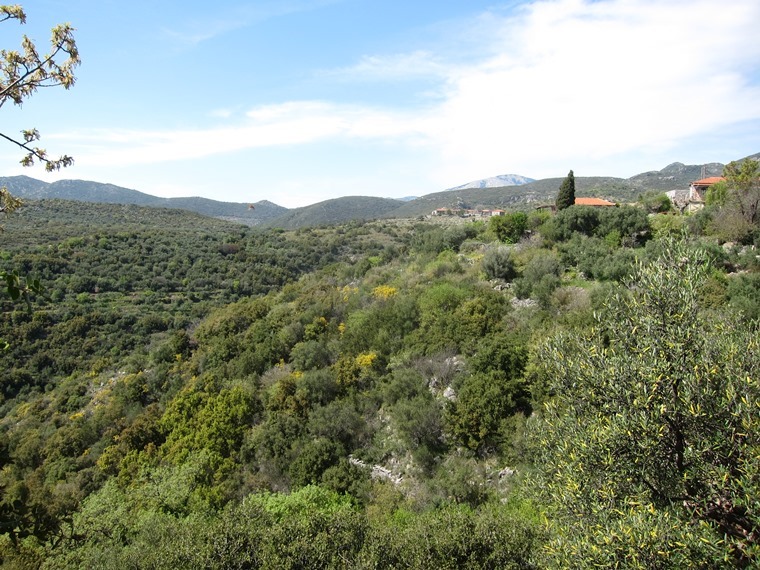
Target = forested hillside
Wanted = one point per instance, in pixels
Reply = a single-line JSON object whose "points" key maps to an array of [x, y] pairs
{"points": [[250, 214], [536, 391]]}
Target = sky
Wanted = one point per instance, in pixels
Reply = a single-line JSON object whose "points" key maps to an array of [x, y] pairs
{"points": [[300, 101]]}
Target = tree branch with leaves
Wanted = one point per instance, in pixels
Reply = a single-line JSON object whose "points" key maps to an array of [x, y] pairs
{"points": [[648, 454], [24, 71]]}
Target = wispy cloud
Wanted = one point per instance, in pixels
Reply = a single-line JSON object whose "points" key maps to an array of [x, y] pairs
{"points": [[221, 113], [292, 123], [223, 21], [194, 33], [393, 67]]}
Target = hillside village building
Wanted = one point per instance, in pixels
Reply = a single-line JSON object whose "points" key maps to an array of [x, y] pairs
{"points": [[698, 189], [694, 198], [594, 202]]}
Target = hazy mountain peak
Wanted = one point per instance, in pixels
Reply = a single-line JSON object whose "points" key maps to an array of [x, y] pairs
{"points": [[496, 182]]}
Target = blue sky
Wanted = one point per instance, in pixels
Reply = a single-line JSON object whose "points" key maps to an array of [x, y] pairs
{"points": [[299, 101]]}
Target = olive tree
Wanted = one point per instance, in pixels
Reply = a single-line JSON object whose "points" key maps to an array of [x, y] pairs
{"points": [[649, 451]]}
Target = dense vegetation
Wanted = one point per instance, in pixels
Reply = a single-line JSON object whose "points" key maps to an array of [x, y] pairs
{"points": [[538, 391]]}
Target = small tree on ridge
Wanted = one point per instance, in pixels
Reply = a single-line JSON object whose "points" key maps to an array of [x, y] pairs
{"points": [[566, 194]]}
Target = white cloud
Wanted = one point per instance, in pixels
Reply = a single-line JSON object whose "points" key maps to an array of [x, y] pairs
{"points": [[393, 67], [291, 123], [221, 113], [579, 79]]}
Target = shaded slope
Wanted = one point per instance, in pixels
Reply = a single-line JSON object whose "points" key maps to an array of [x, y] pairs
{"points": [[337, 210], [88, 191]]}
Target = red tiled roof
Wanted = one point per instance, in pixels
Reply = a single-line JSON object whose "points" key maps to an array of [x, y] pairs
{"points": [[708, 181], [592, 202]]}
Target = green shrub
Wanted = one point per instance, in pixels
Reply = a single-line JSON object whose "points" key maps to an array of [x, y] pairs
{"points": [[510, 227], [498, 264], [309, 355], [540, 276]]}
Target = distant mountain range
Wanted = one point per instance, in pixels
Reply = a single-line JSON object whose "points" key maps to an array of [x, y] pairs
{"points": [[87, 191], [504, 191]]}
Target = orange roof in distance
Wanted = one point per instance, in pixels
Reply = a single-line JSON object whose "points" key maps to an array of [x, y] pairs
{"points": [[708, 181], [592, 202]]}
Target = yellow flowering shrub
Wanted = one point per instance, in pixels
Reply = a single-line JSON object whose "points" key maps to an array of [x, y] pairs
{"points": [[384, 292], [366, 359]]}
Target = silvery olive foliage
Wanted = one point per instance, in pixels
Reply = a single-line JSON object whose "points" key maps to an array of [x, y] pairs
{"points": [[649, 452]]}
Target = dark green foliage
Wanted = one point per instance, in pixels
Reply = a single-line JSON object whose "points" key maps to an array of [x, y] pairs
{"points": [[596, 259], [309, 355], [494, 390], [509, 227], [312, 459], [419, 422], [320, 386], [18, 287], [382, 326], [655, 202], [566, 194], [629, 224], [403, 384], [580, 219], [435, 239], [269, 447], [339, 422], [140, 273]]}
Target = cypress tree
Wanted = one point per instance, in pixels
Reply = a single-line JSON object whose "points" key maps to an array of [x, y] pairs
{"points": [[566, 194]]}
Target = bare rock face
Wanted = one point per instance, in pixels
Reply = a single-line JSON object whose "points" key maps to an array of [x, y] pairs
{"points": [[377, 471], [524, 303], [506, 472]]}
